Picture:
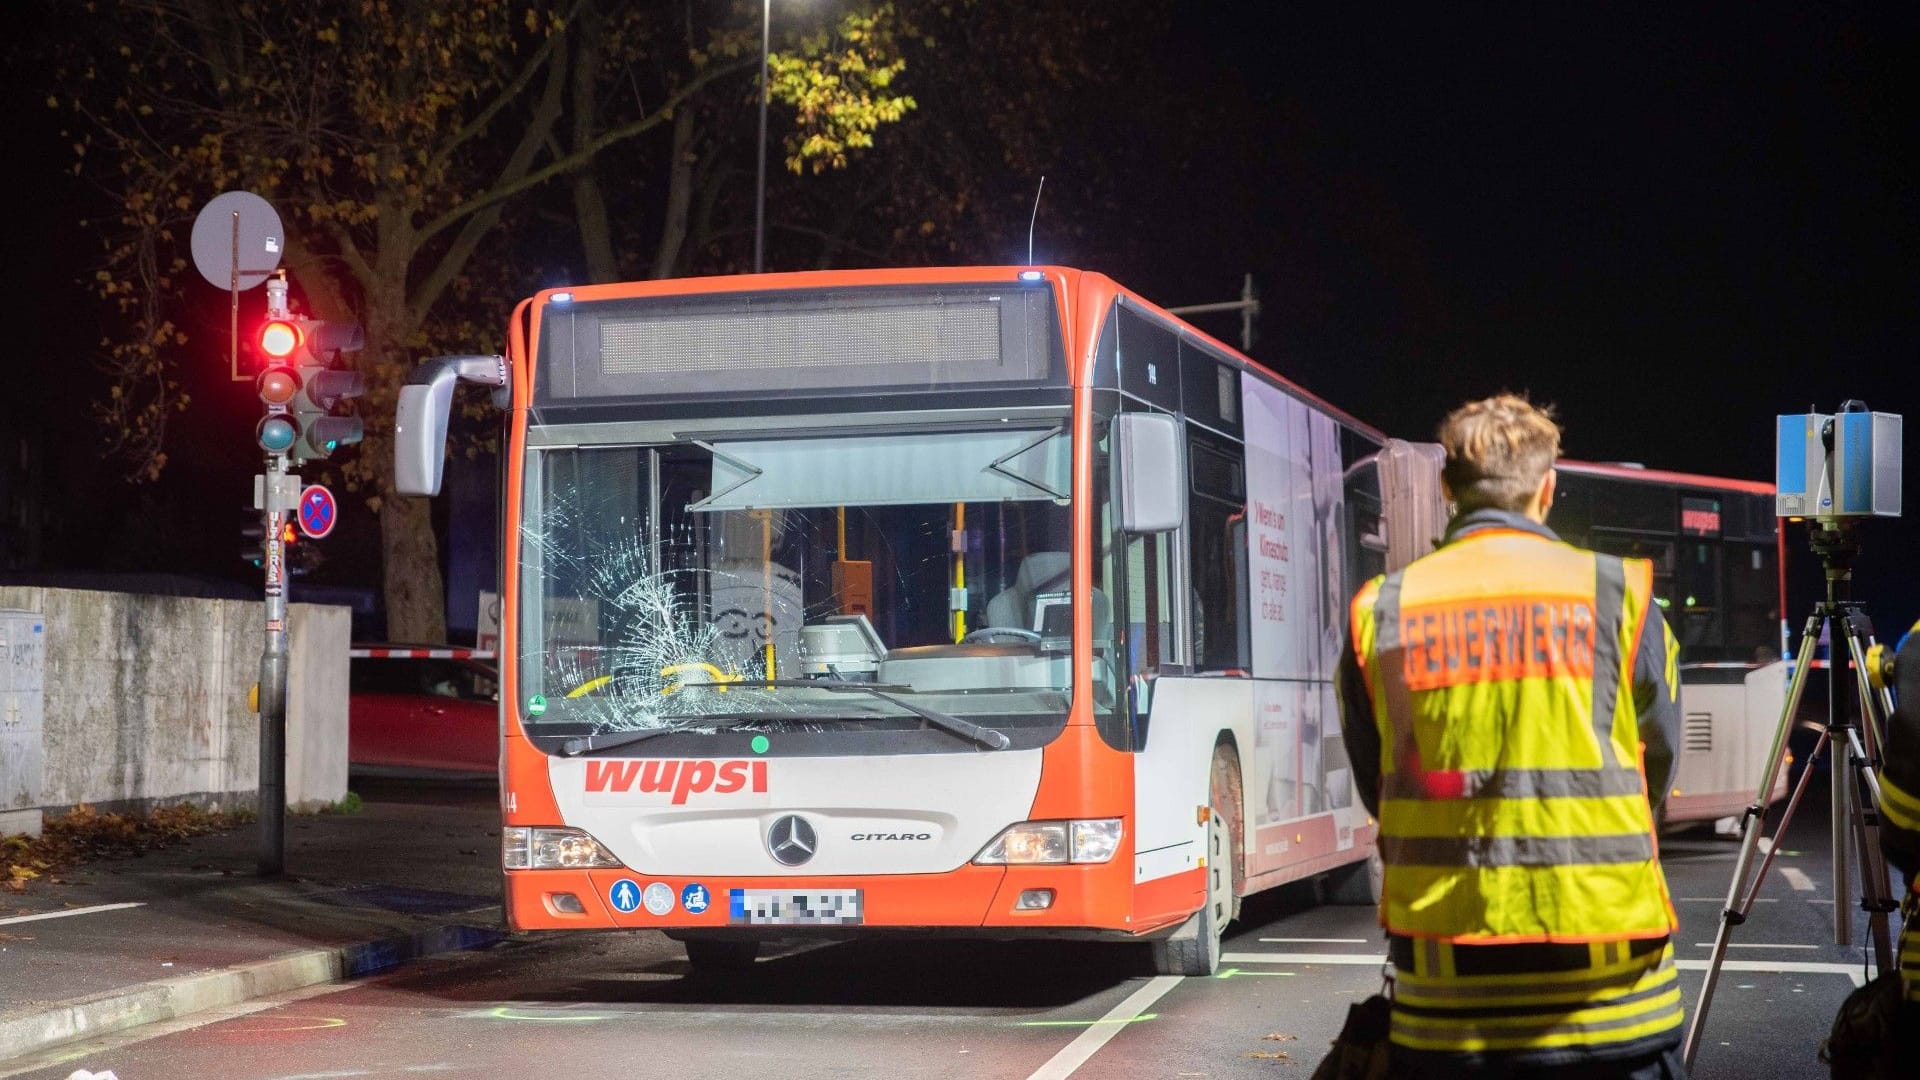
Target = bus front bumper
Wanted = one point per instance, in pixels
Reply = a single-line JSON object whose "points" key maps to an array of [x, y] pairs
{"points": [[1095, 898]]}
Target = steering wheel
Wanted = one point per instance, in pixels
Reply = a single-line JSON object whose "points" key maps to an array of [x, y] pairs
{"points": [[991, 635]]}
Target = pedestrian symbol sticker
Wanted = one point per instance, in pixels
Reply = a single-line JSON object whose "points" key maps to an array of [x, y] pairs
{"points": [[625, 896], [317, 512], [695, 898], [658, 898]]}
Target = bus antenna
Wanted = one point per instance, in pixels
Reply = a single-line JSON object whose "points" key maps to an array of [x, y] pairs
{"points": [[1034, 218]]}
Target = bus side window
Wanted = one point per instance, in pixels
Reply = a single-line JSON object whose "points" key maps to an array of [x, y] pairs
{"points": [[1216, 519]]}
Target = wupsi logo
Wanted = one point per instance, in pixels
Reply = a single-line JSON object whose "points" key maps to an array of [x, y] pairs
{"points": [[682, 778]]}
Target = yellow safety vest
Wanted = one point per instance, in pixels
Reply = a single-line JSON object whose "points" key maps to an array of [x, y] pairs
{"points": [[1513, 804], [1902, 812]]}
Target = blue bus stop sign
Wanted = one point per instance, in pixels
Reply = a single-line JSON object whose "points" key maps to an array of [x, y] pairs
{"points": [[317, 513]]}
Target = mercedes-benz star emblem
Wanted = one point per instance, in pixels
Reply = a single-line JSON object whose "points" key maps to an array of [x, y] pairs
{"points": [[791, 840]]}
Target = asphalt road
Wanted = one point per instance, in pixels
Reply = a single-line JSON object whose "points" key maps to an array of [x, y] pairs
{"points": [[621, 1005]]}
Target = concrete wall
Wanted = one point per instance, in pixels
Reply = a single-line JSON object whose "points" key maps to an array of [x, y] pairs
{"points": [[146, 700]]}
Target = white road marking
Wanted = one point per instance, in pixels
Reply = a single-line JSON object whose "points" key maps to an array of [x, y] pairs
{"points": [[1751, 945], [1313, 940], [1718, 899], [1797, 878], [1784, 967], [1300, 958], [63, 914], [1075, 1054]]}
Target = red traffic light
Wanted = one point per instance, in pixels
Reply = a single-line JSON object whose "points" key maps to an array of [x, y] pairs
{"points": [[279, 338], [277, 385]]}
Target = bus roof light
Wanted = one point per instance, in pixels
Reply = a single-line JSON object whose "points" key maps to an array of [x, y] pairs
{"points": [[1032, 275]]}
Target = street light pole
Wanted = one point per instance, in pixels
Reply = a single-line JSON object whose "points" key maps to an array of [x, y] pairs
{"points": [[760, 173]]}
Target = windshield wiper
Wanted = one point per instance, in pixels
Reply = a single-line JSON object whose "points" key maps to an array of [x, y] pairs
{"points": [[988, 737], [617, 739]]}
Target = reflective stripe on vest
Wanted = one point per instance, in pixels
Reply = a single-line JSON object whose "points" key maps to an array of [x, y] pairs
{"points": [[1513, 808], [1614, 1002], [1910, 944]]}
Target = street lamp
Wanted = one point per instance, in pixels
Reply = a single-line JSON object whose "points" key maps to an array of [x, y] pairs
{"points": [[760, 173]]}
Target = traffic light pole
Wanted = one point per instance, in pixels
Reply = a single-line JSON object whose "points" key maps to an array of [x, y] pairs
{"points": [[273, 679]]}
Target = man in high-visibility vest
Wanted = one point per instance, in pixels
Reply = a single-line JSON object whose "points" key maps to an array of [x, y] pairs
{"points": [[1900, 806], [1510, 704]]}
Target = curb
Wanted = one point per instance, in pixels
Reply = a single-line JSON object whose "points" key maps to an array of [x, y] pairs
{"points": [[170, 999]]}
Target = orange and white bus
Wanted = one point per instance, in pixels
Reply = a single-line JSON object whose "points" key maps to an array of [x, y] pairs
{"points": [[992, 601]]}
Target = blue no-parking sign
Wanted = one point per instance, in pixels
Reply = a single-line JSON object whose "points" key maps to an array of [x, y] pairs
{"points": [[317, 512]]}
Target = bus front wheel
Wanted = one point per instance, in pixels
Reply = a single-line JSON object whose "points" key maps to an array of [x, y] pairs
{"points": [[1195, 948]]}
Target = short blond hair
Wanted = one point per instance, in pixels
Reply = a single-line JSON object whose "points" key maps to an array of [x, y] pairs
{"points": [[1498, 449]]}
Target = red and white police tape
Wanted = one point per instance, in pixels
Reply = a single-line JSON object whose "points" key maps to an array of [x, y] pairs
{"points": [[421, 654]]}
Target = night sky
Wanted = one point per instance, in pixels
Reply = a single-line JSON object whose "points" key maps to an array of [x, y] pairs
{"points": [[1673, 225]]}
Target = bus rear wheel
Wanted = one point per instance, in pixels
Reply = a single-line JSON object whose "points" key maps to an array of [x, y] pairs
{"points": [[1360, 884], [1195, 948], [714, 955]]}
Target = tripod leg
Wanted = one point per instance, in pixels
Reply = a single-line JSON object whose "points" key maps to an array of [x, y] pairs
{"points": [[1734, 912], [1876, 896], [1820, 746]]}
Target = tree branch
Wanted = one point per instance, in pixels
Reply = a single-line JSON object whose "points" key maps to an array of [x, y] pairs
{"points": [[454, 259], [507, 189], [501, 100]]}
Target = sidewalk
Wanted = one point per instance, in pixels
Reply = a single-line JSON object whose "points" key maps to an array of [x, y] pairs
{"points": [[136, 941]]}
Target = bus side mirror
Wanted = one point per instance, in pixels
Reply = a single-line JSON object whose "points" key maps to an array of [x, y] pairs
{"points": [[420, 417], [1150, 471]]}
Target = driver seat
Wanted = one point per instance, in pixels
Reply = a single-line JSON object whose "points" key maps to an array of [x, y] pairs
{"points": [[1040, 573]]}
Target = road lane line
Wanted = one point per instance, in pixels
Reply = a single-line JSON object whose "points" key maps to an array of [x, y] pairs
{"points": [[11, 919], [1784, 967], [1751, 945], [1797, 878], [1313, 940], [1300, 958], [1075, 1054]]}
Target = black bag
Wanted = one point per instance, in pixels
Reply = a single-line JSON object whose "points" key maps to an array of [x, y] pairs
{"points": [[1874, 1036], [1362, 1050]]}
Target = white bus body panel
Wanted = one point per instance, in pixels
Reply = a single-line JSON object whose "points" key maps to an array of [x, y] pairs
{"points": [[1173, 772], [958, 802], [1726, 731]]}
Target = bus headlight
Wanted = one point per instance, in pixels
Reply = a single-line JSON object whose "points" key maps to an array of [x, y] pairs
{"points": [[552, 849], [1030, 842]]}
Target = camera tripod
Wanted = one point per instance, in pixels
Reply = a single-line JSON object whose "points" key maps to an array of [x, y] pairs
{"points": [[1855, 755]]}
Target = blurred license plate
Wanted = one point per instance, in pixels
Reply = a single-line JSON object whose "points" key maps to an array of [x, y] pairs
{"points": [[780, 907]]}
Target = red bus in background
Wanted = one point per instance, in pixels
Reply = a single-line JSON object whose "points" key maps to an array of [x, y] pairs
{"points": [[1717, 576]]}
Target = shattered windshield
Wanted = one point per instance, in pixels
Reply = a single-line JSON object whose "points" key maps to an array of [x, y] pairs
{"points": [[667, 586]]}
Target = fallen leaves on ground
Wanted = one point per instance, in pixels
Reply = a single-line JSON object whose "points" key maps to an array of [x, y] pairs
{"points": [[1271, 1055], [1279, 1036], [85, 833]]}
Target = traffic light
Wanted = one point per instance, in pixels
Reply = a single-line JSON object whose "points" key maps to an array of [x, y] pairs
{"points": [[277, 384], [301, 385], [253, 537], [324, 385]]}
